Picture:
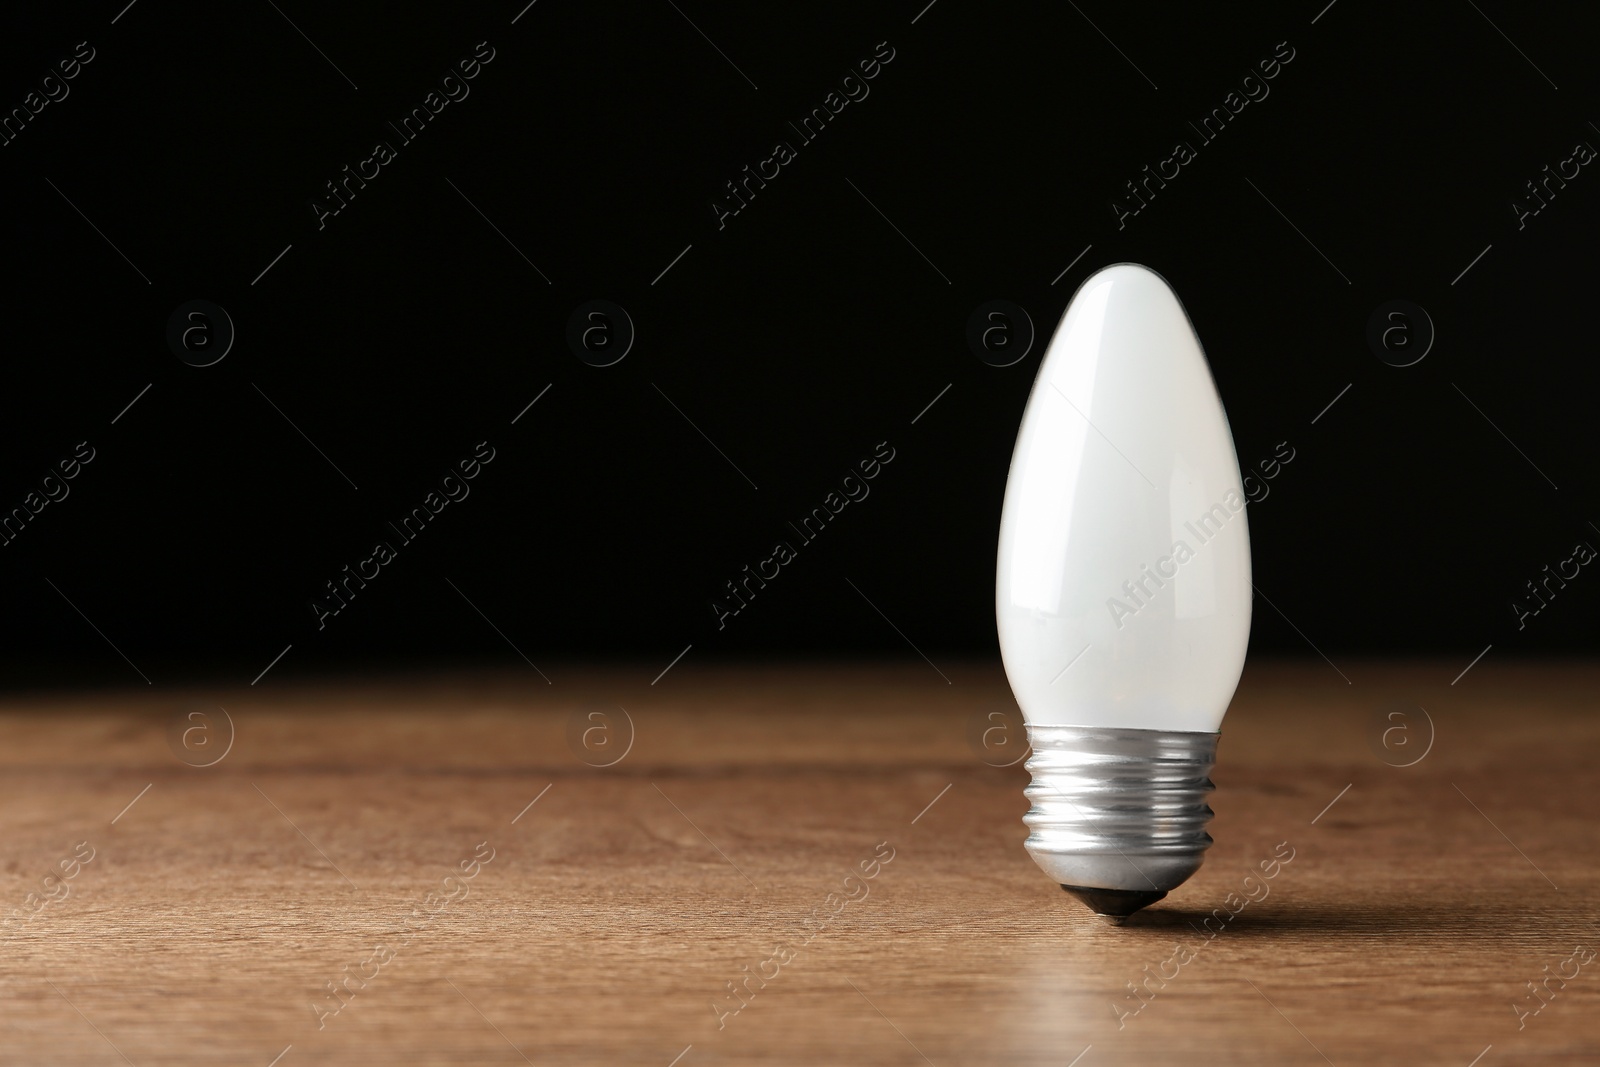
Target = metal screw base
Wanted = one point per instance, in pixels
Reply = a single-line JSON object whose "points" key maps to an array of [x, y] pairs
{"points": [[1119, 810]]}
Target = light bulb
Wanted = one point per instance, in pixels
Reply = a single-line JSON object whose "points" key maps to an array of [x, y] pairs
{"points": [[1123, 592]]}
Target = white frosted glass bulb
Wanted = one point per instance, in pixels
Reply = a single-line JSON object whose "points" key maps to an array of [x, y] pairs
{"points": [[1123, 592]]}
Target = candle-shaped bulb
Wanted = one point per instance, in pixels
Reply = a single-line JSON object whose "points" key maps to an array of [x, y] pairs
{"points": [[1123, 592]]}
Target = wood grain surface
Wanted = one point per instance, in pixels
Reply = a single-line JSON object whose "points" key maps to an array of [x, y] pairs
{"points": [[377, 835]]}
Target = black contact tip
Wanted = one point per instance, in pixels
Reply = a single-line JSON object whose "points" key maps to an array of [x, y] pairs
{"points": [[1115, 905]]}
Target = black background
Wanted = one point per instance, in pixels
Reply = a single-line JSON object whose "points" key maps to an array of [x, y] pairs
{"points": [[796, 338]]}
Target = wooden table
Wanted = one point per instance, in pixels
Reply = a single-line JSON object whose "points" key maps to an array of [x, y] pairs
{"points": [[210, 910]]}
